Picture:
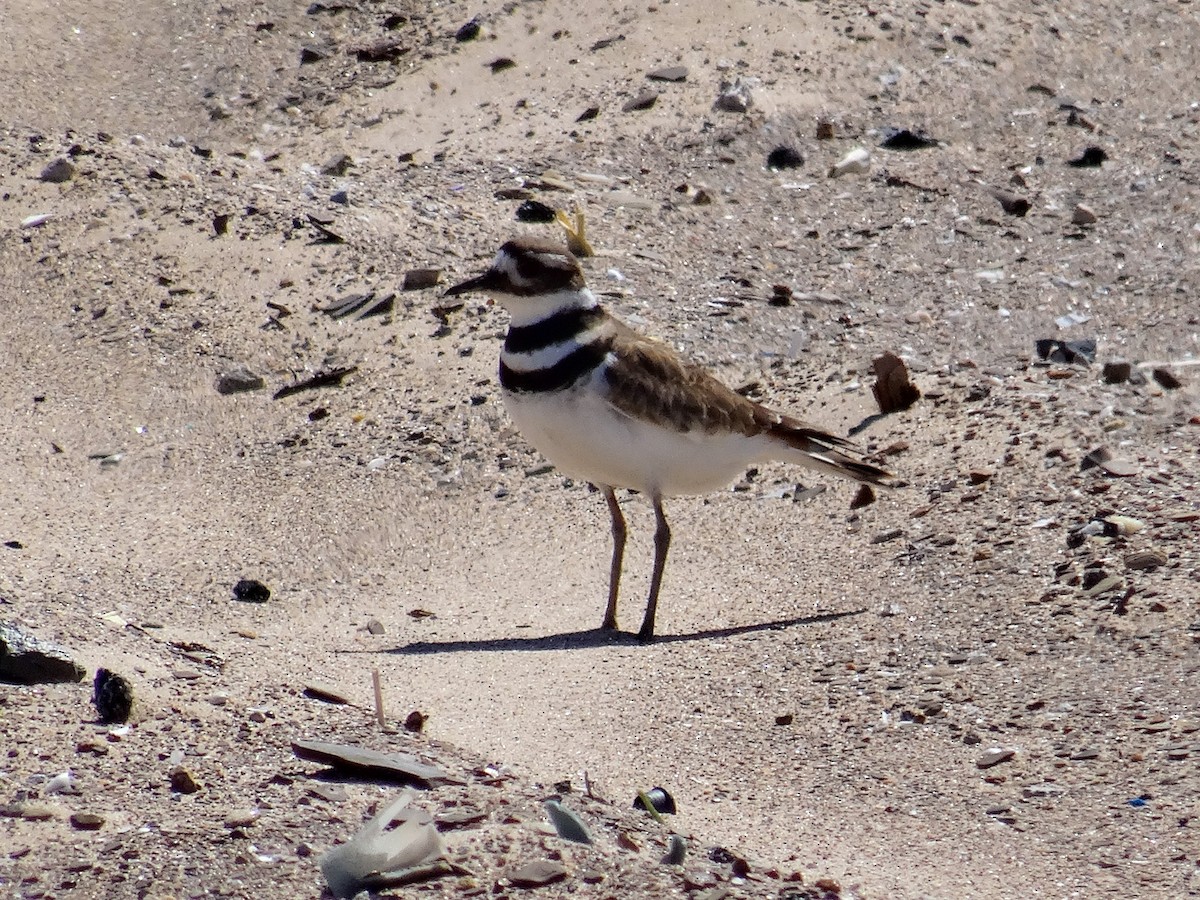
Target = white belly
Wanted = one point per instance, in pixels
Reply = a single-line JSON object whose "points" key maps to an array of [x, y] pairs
{"points": [[586, 438]]}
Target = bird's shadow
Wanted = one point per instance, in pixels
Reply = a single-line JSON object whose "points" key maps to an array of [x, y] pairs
{"points": [[599, 637]]}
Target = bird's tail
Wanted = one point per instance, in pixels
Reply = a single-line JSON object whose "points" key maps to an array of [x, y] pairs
{"points": [[827, 452]]}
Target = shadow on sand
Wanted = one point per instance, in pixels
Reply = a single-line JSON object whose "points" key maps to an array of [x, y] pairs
{"points": [[597, 637]]}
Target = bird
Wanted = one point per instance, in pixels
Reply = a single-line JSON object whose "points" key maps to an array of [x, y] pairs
{"points": [[611, 406]]}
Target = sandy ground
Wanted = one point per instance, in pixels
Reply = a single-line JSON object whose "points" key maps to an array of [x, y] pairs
{"points": [[835, 692]]}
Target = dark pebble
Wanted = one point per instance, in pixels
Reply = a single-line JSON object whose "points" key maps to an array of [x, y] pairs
{"points": [[250, 591]]}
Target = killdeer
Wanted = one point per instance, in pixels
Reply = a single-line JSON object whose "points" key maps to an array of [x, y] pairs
{"points": [[608, 405]]}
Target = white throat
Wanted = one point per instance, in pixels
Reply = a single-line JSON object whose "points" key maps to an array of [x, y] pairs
{"points": [[533, 308]]}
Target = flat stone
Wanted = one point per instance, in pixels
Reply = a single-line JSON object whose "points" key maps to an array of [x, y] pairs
{"points": [[994, 757], [58, 171], [538, 873], [238, 380], [86, 821], [25, 659], [368, 763], [670, 73]]}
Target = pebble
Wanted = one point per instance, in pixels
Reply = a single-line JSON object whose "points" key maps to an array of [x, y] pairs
{"points": [[1167, 379], [183, 781], [35, 221], [86, 821], [374, 626], [537, 874], [784, 157], [736, 96], [670, 73], [994, 757], [1012, 204], [1083, 215], [644, 100], [248, 590], [567, 823], [1145, 560], [238, 380], [26, 659], [856, 162], [58, 171]]}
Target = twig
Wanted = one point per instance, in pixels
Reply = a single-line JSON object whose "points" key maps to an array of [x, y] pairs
{"points": [[378, 699]]}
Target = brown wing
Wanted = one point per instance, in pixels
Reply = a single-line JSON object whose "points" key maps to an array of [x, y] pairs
{"points": [[650, 381]]}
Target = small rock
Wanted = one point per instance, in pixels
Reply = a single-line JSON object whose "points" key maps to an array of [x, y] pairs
{"points": [[325, 694], [864, 497], [979, 476], [25, 659], [893, 389], [535, 211], [567, 823], [58, 171], [1145, 560], [35, 221], [784, 157], [1102, 458], [825, 131], [112, 695], [1117, 372], [670, 73], [415, 721], [374, 626], [242, 818], [538, 873], [907, 139], [468, 32], [337, 165], [502, 64], [994, 757], [310, 55], [889, 535], [1167, 379], [785, 719], [1012, 204], [644, 100], [238, 380], [419, 279], [86, 821], [1091, 158], [735, 96], [183, 781], [676, 851], [1083, 215], [856, 162], [248, 590]]}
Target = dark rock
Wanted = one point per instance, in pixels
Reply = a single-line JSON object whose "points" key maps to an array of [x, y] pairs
{"points": [[501, 64], [419, 279], [1012, 204], [183, 781], [644, 100], [25, 659], [220, 223], [468, 32], [1052, 350], [337, 165], [238, 380], [588, 114], [112, 695], [250, 591], [342, 198], [538, 873], [1117, 372], [86, 821], [864, 497], [784, 157], [1167, 379], [535, 211], [670, 73], [325, 694], [893, 389], [58, 171], [1091, 158], [907, 139], [310, 55]]}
